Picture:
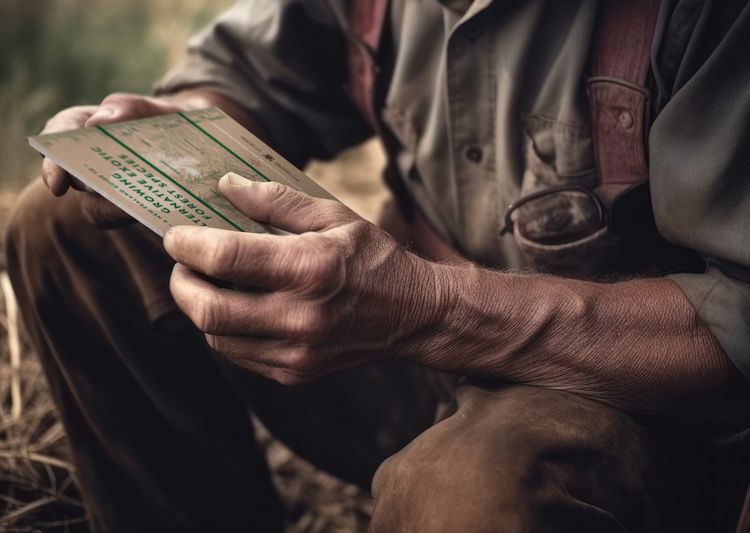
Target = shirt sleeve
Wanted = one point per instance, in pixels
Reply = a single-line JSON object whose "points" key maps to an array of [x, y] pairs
{"points": [[700, 185], [285, 62]]}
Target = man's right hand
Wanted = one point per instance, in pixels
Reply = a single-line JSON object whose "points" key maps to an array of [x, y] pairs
{"points": [[116, 107]]}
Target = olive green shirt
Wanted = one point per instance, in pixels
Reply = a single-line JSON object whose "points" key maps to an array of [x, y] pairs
{"points": [[482, 92]]}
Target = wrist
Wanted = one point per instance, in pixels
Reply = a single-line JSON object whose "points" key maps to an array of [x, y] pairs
{"points": [[447, 324], [422, 303], [474, 333]]}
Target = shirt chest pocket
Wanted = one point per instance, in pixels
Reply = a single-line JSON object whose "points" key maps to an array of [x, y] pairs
{"points": [[558, 223], [556, 154]]}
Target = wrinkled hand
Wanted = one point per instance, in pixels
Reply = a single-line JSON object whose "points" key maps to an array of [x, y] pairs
{"points": [[336, 293], [116, 107]]}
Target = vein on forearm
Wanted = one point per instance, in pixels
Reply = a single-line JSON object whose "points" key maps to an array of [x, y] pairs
{"points": [[638, 345]]}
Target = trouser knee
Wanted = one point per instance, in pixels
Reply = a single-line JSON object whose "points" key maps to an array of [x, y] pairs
{"points": [[52, 247], [67, 274], [519, 459]]}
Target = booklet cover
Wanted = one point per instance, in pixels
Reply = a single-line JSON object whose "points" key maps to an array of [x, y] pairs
{"points": [[164, 170]]}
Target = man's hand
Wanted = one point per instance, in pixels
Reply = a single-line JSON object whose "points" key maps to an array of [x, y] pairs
{"points": [[119, 107], [336, 293], [340, 292], [116, 107]]}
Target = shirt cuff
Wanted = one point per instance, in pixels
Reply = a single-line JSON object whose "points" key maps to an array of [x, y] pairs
{"points": [[723, 303]]}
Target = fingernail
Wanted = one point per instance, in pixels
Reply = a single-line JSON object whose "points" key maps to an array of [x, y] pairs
{"points": [[235, 179]]}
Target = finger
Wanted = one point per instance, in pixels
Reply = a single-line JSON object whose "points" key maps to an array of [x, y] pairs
{"points": [[78, 185], [287, 363], [283, 207], [69, 119], [119, 107], [287, 263], [283, 362], [269, 372], [116, 107], [57, 180], [220, 311], [102, 213], [243, 359], [279, 375]]}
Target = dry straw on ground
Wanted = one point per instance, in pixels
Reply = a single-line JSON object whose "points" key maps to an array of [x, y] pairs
{"points": [[37, 478]]}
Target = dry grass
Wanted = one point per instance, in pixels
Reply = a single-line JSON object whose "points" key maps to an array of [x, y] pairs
{"points": [[37, 480]]}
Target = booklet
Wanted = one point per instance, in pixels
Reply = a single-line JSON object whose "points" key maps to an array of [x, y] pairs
{"points": [[164, 170]]}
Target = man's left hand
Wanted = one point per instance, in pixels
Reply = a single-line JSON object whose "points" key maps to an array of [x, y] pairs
{"points": [[336, 293]]}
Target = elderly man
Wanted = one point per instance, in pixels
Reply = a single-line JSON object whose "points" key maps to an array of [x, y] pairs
{"points": [[591, 388]]}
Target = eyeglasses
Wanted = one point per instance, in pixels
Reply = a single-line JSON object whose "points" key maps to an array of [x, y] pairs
{"points": [[556, 215]]}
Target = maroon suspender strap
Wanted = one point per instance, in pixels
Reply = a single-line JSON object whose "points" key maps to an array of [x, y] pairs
{"points": [[366, 22], [618, 94]]}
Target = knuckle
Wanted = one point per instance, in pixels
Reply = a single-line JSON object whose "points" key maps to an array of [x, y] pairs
{"points": [[206, 313], [360, 231], [222, 257], [321, 269], [338, 211], [361, 226], [277, 190], [304, 326], [326, 264], [286, 198], [311, 324], [302, 361]]}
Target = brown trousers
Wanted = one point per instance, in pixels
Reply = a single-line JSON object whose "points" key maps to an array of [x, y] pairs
{"points": [[161, 437]]}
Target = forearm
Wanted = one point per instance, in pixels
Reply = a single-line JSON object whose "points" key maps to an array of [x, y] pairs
{"points": [[637, 345]]}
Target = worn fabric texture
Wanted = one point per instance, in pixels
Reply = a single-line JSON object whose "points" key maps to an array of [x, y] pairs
{"points": [[162, 439], [487, 100]]}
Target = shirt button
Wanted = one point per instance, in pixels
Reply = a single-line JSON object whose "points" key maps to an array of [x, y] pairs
{"points": [[626, 120], [472, 30], [474, 154]]}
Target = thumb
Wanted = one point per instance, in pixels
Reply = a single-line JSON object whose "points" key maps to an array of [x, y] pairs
{"points": [[119, 107], [283, 207]]}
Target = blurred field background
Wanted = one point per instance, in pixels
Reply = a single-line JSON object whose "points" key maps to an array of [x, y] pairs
{"points": [[58, 53]]}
